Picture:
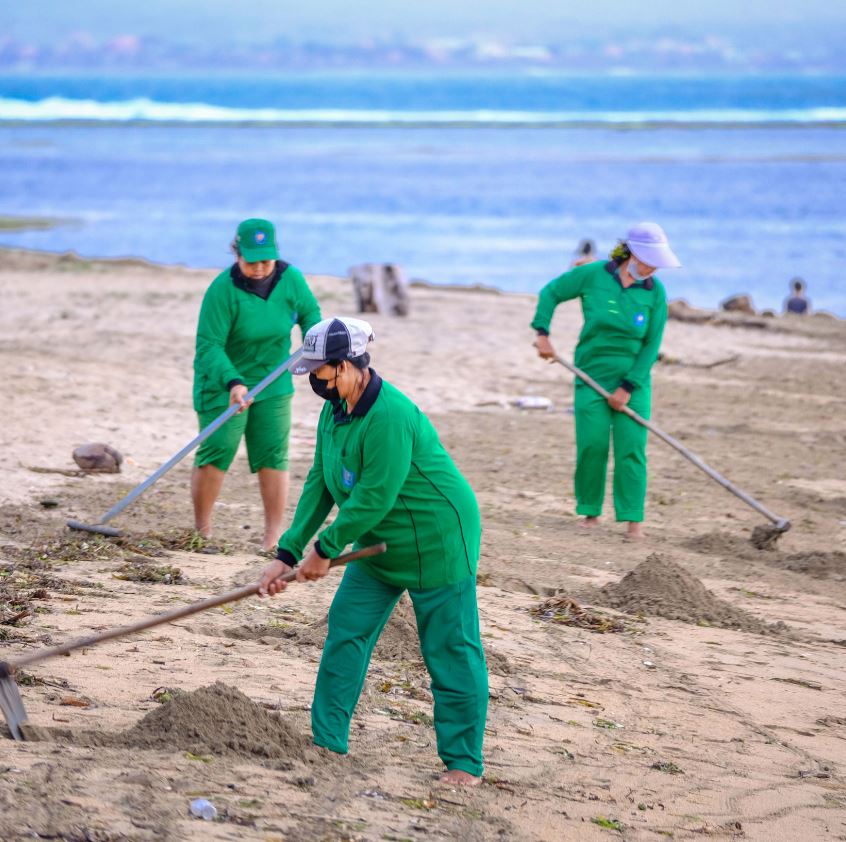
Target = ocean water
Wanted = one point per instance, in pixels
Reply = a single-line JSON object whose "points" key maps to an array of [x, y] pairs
{"points": [[460, 178]]}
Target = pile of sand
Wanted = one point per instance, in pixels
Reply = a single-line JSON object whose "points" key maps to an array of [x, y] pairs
{"points": [[820, 565], [256, 631], [217, 720], [721, 543], [664, 589], [399, 641]]}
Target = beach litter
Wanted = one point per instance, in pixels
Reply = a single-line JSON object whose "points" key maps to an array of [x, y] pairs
{"points": [[567, 612], [532, 402]]}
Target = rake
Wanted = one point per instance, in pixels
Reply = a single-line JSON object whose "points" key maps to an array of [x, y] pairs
{"points": [[10, 697], [100, 527], [762, 536]]}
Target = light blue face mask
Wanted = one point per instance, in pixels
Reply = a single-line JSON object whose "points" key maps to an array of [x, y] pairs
{"points": [[634, 272]]}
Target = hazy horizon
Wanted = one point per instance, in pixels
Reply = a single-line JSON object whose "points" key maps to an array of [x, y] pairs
{"points": [[193, 21]]}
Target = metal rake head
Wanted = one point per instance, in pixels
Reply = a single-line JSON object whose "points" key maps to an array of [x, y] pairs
{"points": [[11, 702]]}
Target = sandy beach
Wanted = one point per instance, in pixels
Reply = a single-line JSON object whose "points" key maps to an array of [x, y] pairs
{"points": [[643, 709]]}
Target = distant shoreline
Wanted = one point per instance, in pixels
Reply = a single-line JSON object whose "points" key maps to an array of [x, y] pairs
{"points": [[31, 223], [396, 122], [42, 259]]}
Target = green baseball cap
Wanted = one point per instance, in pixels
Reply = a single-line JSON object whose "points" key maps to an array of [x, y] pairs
{"points": [[256, 240]]}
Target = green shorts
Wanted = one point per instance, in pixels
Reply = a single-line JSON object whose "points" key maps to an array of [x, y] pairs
{"points": [[265, 426]]}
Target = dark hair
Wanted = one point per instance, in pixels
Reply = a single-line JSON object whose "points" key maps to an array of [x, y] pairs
{"points": [[620, 252], [235, 250], [586, 247], [798, 284], [361, 362]]}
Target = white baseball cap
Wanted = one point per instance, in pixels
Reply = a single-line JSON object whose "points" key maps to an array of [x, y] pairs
{"points": [[649, 244], [337, 338]]}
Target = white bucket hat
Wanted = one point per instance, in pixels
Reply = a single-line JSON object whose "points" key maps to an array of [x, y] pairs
{"points": [[339, 338], [649, 244]]}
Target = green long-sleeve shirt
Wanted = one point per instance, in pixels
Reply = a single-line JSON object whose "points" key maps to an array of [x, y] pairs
{"points": [[385, 469], [623, 326], [243, 337]]}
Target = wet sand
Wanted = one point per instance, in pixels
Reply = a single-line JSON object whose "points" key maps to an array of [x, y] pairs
{"points": [[666, 728]]}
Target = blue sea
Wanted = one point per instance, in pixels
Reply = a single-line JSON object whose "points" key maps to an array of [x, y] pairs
{"points": [[468, 178]]}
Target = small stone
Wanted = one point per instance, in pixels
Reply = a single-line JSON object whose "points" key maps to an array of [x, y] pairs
{"points": [[98, 457]]}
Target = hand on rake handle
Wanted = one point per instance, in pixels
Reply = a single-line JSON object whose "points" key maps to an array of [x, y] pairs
{"points": [[618, 399], [273, 579], [545, 349], [313, 567], [277, 574], [238, 395]]}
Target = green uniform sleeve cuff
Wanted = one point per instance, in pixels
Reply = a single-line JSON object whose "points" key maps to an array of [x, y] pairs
{"points": [[541, 331], [628, 386], [236, 381], [319, 550], [286, 557]]}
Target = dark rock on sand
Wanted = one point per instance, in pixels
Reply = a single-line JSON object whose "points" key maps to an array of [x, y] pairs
{"points": [[98, 457], [738, 304]]}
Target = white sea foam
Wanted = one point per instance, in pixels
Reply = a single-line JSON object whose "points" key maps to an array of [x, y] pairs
{"points": [[146, 110]]}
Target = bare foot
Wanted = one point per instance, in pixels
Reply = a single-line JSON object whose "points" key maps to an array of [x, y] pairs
{"points": [[634, 532], [458, 777], [589, 523]]}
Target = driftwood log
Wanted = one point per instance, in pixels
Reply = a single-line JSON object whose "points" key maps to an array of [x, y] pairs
{"points": [[380, 288]]}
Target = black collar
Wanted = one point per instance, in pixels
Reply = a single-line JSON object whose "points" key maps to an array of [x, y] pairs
{"points": [[613, 268], [243, 282], [365, 402]]}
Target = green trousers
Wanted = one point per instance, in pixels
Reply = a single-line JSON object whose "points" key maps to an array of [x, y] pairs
{"points": [[448, 625], [595, 422], [265, 426]]}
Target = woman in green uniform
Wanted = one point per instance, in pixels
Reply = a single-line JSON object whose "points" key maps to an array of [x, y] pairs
{"points": [[625, 310], [244, 332], [379, 460]]}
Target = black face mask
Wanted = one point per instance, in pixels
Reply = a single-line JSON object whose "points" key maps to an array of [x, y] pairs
{"points": [[321, 388]]}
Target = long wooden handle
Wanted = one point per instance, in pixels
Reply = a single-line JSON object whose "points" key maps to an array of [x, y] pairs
{"points": [[197, 440], [781, 523], [175, 614]]}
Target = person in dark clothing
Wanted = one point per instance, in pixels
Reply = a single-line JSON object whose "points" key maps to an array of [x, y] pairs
{"points": [[797, 303]]}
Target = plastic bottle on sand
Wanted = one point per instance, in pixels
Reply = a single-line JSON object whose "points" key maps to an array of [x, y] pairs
{"points": [[203, 809]]}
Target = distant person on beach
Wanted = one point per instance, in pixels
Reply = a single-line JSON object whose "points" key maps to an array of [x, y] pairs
{"points": [[625, 309], [585, 253], [797, 302], [379, 460], [244, 333]]}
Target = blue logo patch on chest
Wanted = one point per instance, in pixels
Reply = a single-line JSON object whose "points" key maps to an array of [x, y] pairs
{"points": [[639, 319], [347, 478]]}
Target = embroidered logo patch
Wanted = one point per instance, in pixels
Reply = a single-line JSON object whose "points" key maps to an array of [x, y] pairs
{"points": [[260, 237], [347, 478], [639, 319], [310, 342]]}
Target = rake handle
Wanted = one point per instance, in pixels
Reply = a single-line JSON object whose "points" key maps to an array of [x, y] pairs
{"points": [[781, 523], [175, 614], [196, 441]]}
